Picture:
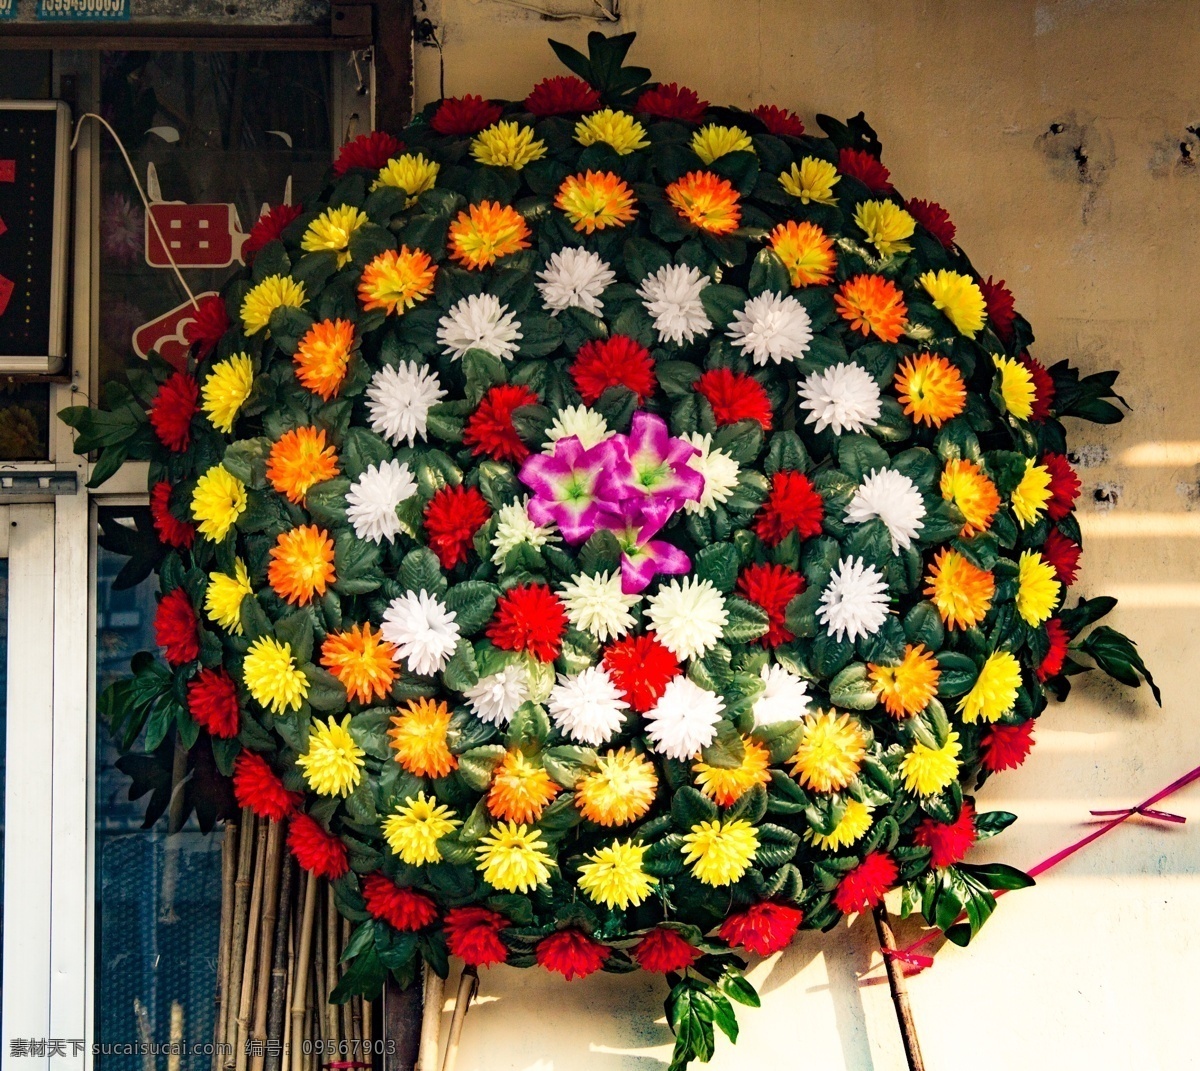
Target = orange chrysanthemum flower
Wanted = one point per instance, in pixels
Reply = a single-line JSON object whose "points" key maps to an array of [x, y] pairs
{"points": [[964, 484], [298, 461], [872, 303], [362, 660], [962, 592], [806, 251], [520, 790], [706, 201], [301, 564], [596, 200], [485, 232], [396, 280], [907, 688], [727, 785], [931, 389], [322, 357], [418, 736]]}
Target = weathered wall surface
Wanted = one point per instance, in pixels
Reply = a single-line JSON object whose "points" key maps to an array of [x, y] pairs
{"points": [[1062, 139]]}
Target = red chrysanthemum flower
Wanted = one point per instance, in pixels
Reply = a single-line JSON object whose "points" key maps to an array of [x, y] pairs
{"points": [[473, 935], [735, 396], [461, 116], [210, 320], [642, 668], [1005, 747], [171, 530], [1052, 664], [257, 786], [1064, 486], [1063, 555], [368, 151], [618, 361], [863, 887], [948, 843], [763, 928], [780, 121], [1043, 389], [529, 618], [316, 851], [172, 410], [175, 628], [490, 429], [792, 506], [563, 94], [866, 168], [671, 101], [405, 909], [269, 226], [572, 953], [934, 218], [772, 587], [452, 518], [213, 703], [1001, 309], [663, 951]]}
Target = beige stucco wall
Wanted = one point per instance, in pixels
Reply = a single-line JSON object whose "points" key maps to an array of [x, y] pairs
{"points": [[1096, 967]]}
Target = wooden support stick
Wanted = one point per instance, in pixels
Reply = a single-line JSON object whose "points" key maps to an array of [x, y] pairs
{"points": [[467, 984], [333, 1014], [899, 987], [246, 1000], [229, 846], [277, 991], [266, 940], [431, 1020], [300, 984], [237, 950], [348, 1031]]}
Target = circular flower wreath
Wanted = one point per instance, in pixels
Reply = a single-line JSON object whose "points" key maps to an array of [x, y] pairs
{"points": [[612, 530]]}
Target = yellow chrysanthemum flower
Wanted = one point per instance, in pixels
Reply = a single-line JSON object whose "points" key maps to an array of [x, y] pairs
{"points": [[811, 180], [994, 691], [416, 827], [411, 173], [1038, 588], [706, 201], [226, 389], [851, 828], [298, 461], [727, 786], [520, 790], [714, 141], [332, 231], [301, 564], [931, 389], [485, 232], [927, 770], [959, 297], [512, 859], [333, 763], [396, 280], [362, 660], [906, 689], [619, 790], [613, 875], [719, 852], [274, 292], [322, 356], [1030, 496], [617, 129], [960, 590], [830, 752], [418, 736], [964, 484], [1016, 386], [806, 252], [224, 595], [272, 676], [595, 200], [507, 144], [217, 502], [886, 225]]}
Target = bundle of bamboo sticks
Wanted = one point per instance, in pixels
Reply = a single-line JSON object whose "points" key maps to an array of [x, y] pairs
{"points": [[281, 940]]}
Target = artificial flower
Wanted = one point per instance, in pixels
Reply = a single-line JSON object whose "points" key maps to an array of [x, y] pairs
{"points": [[212, 701], [490, 431], [672, 298], [452, 518], [333, 231], [780, 121], [811, 180], [575, 278], [170, 529], [806, 252], [1032, 495], [684, 720], [411, 173], [461, 116], [1056, 652], [763, 928], [960, 590], [726, 785], [333, 763], [372, 500], [721, 851], [561, 95], [1016, 386], [964, 484], [613, 875], [512, 858], [480, 322], [934, 218], [792, 505], [257, 786], [713, 141], [484, 233], [861, 888], [514, 528], [269, 227], [418, 737], [362, 660], [272, 677], [850, 829], [473, 935], [529, 618], [507, 144], [1063, 555], [209, 322], [587, 706], [317, 851], [1064, 486], [830, 752], [1038, 588], [217, 502], [948, 842], [771, 327], [300, 459], [958, 297], [928, 770], [224, 594], [706, 201], [301, 564], [719, 470], [671, 101], [595, 201], [367, 151], [641, 667], [496, 698], [784, 696], [617, 129], [844, 398], [687, 616], [1005, 747], [1001, 313], [413, 830], [772, 587], [597, 605], [323, 355], [571, 953], [422, 631], [520, 790], [396, 280], [274, 292], [907, 687], [735, 396], [619, 790], [664, 951], [226, 389], [865, 167], [404, 909], [886, 226], [586, 425], [172, 409], [995, 689], [176, 629], [873, 305], [1043, 390], [894, 499], [616, 361], [854, 603], [931, 389], [399, 399]]}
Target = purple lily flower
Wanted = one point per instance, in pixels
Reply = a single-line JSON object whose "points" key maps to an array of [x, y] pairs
{"points": [[656, 466], [565, 487], [642, 557]]}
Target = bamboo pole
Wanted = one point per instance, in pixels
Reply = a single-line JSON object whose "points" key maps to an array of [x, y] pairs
{"points": [[266, 942], [348, 1031], [301, 977], [145, 1034], [251, 956], [332, 1012], [468, 983], [176, 1047], [368, 1019], [237, 948], [229, 847], [431, 1020], [899, 987], [276, 991]]}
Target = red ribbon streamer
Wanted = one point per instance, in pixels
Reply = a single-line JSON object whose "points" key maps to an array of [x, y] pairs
{"points": [[918, 962]]}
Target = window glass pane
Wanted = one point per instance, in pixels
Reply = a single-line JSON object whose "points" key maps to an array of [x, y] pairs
{"points": [[24, 421], [25, 75]]}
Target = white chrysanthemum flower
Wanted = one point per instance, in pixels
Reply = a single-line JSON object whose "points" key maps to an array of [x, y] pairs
{"points": [[588, 707], [422, 630], [684, 719], [772, 327], [479, 322], [854, 602], [588, 426], [688, 616], [844, 397], [596, 604], [575, 278], [495, 699], [672, 297], [399, 400], [785, 697], [894, 499], [514, 528], [719, 470], [372, 500]]}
